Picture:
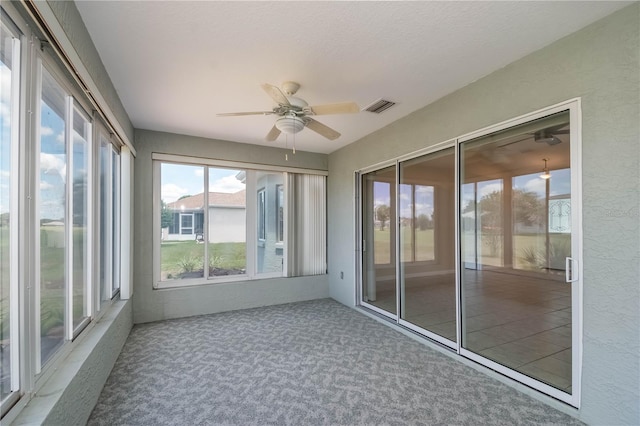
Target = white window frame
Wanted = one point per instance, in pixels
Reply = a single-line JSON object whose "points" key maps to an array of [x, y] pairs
{"points": [[16, 222], [252, 239]]}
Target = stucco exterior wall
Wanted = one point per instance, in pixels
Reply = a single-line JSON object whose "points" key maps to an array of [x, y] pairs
{"points": [[601, 65]]}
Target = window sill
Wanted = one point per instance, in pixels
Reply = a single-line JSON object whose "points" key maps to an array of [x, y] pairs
{"points": [[165, 285], [67, 397]]}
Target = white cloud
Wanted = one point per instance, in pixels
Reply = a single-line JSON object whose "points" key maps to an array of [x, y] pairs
{"points": [[199, 172], [46, 131], [424, 189], [171, 192], [380, 201], [51, 164], [488, 189], [227, 184], [60, 138], [536, 185], [5, 173], [45, 185]]}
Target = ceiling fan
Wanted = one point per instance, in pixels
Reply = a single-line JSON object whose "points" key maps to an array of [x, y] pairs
{"points": [[294, 113]]}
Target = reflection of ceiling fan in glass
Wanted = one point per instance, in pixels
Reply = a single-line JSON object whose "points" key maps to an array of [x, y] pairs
{"points": [[294, 113], [548, 135]]}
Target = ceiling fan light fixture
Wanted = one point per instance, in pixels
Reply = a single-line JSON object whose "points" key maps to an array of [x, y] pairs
{"points": [[290, 124], [545, 171]]}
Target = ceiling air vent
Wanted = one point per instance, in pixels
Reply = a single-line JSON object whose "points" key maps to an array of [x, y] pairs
{"points": [[379, 106]]}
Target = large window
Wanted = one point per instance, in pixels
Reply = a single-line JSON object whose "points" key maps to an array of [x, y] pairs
{"points": [[59, 211], [9, 342], [210, 228]]}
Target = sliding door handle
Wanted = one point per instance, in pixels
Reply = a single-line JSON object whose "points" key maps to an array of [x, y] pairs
{"points": [[571, 270]]}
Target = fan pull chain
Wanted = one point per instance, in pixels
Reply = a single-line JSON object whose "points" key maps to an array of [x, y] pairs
{"points": [[286, 146]]}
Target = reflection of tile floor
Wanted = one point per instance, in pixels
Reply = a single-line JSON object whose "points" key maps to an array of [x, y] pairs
{"points": [[519, 321]]}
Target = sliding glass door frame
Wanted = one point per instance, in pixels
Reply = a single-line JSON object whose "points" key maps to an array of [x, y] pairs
{"points": [[573, 273], [452, 143], [363, 240], [574, 263]]}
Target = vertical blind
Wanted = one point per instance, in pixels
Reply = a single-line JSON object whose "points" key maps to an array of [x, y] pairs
{"points": [[307, 229]]}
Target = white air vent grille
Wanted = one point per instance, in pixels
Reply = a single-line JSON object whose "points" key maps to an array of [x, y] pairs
{"points": [[379, 106]]}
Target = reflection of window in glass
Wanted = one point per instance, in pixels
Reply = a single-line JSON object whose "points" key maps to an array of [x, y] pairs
{"points": [[381, 217], [262, 215], [416, 222], [280, 213]]}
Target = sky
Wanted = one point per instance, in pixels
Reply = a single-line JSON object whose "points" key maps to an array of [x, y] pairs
{"points": [[5, 135], [179, 180]]}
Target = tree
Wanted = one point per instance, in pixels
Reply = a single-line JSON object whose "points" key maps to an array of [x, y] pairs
{"points": [[424, 222], [166, 216], [382, 213]]}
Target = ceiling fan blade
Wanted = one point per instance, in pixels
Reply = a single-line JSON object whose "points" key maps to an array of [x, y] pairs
{"points": [[233, 114], [273, 134], [276, 94], [342, 108], [321, 129]]}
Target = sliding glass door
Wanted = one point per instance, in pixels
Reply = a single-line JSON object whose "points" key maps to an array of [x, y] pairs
{"points": [[379, 240], [476, 246], [515, 209], [427, 244]]}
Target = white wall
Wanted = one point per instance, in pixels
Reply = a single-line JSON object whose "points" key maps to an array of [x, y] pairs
{"points": [[600, 64], [227, 225]]}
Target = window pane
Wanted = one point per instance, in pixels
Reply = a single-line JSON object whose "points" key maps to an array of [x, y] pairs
{"points": [[52, 215], [379, 235], [115, 214], [226, 214], [7, 106], [428, 286], [106, 219], [182, 198], [516, 305], [280, 213], [269, 253], [81, 137]]}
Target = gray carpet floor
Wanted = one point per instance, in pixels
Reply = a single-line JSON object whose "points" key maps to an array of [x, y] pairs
{"points": [[310, 363]]}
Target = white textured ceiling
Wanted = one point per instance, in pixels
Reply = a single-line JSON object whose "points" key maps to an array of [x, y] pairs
{"points": [[176, 64]]}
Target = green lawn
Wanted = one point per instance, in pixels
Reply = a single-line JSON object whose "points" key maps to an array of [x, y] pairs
{"points": [[529, 249], [179, 257], [423, 240]]}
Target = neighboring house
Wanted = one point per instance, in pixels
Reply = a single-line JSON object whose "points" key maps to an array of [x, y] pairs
{"points": [[227, 217]]}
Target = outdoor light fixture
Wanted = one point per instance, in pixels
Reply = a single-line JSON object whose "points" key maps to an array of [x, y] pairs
{"points": [[545, 171]]}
